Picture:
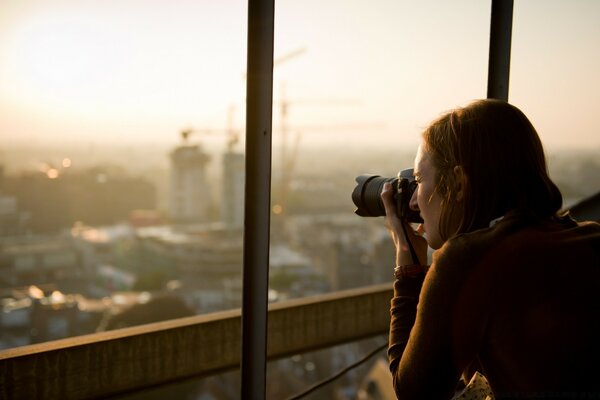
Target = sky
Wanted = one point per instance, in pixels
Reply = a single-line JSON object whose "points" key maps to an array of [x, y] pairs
{"points": [[139, 71]]}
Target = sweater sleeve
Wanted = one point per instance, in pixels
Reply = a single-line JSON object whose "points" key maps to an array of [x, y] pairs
{"points": [[402, 312], [427, 350]]}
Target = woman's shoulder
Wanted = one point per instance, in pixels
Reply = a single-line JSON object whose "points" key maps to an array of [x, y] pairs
{"points": [[457, 256], [590, 229], [512, 238], [466, 248], [454, 273]]}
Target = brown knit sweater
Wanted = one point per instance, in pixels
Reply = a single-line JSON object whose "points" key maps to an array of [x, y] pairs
{"points": [[520, 302]]}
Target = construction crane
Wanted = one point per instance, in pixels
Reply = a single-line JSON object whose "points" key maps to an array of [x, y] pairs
{"points": [[289, 153], [232, 134]]}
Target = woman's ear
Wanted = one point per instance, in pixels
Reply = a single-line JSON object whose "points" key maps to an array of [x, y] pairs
{"points": [[460, 177]]}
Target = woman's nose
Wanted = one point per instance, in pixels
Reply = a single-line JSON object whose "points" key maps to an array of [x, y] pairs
{"points": [[413, 201]]}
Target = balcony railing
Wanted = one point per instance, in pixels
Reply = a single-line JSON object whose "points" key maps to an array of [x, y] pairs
{"points": [[108, 363]]}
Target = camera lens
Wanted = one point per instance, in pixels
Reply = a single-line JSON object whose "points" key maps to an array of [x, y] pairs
{"points": [[367, 195]]}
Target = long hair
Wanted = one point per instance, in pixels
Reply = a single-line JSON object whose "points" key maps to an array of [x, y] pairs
{"points": [[503, 159]]}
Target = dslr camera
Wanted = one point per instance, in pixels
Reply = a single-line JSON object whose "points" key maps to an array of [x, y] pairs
{"points": [[367, 195]]}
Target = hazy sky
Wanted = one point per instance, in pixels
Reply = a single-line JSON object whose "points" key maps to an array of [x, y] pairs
{"points": [[84, 71]]}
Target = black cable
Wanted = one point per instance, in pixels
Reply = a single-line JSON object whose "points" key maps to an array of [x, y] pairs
{"points": [[324, 382]]}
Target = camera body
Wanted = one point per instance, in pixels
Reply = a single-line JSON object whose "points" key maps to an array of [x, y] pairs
{"points": [[367, 195]]}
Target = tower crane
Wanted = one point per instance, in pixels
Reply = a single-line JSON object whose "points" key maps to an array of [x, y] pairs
{"points": [[289, 152], [232, 134]]}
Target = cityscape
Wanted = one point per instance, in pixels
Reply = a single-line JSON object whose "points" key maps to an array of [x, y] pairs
{"points": [[91, 249], [100, 247]]}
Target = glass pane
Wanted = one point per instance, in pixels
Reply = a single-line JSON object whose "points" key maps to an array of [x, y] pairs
{"points": [[554, 80], [354, 85], [121, 166], [293, 375]]}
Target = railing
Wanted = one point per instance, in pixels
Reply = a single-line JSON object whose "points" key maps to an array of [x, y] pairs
{"points": [[108, 363]]}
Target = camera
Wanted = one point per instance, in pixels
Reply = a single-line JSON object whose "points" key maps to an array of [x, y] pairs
{"points": [[367, 195]]}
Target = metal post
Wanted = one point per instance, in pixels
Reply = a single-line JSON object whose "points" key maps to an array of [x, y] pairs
{"points": [[499, 57], [257, 208]]}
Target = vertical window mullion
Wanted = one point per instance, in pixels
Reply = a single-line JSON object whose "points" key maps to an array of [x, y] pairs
{"points": [[499, 56], [259, 106]]}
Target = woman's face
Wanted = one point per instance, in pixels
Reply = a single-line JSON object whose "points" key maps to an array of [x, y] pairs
{"points": [[426, 198]]}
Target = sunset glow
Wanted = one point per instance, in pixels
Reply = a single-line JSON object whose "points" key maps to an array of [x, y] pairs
{"points": [[97, 72]]}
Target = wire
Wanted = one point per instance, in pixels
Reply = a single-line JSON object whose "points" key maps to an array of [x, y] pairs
{"points": [[324, 382]]}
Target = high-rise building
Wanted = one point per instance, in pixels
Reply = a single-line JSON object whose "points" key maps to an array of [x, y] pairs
{"points": [[190, 195], [233, 190]]}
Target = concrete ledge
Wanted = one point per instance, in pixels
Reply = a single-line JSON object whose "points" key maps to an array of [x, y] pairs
{"points": [[107, 363]]}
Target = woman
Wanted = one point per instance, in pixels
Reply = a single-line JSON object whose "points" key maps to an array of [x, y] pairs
{"points": [[513, 291]]}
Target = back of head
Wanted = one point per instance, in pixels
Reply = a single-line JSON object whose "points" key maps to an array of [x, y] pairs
{"points": [[502, 157]]}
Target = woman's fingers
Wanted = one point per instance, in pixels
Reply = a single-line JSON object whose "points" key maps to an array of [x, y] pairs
{"points": [[387, 196], [395, 225], [392, 222]]}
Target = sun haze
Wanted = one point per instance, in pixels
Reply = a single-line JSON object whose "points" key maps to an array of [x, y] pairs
{"points": [[98, 71]]}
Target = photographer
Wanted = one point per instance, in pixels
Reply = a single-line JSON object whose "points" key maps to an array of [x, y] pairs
{"points": [[513, 291]]}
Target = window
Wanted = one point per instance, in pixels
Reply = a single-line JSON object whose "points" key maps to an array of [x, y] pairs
{"points": [[119, 122], [354, 85], [122, 169], [555, 59]]}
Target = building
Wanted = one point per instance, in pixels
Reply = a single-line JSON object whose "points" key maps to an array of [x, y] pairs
{"points": [[349, 251], [233, 190], [40, 260], [11, 220], [190, 195], [206, 259]]}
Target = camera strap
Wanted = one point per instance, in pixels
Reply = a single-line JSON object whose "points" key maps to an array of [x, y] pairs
{"points": [[413, 253]]}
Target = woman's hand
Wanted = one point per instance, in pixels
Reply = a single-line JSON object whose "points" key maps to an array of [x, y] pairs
{"points": [[394, 225]]}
